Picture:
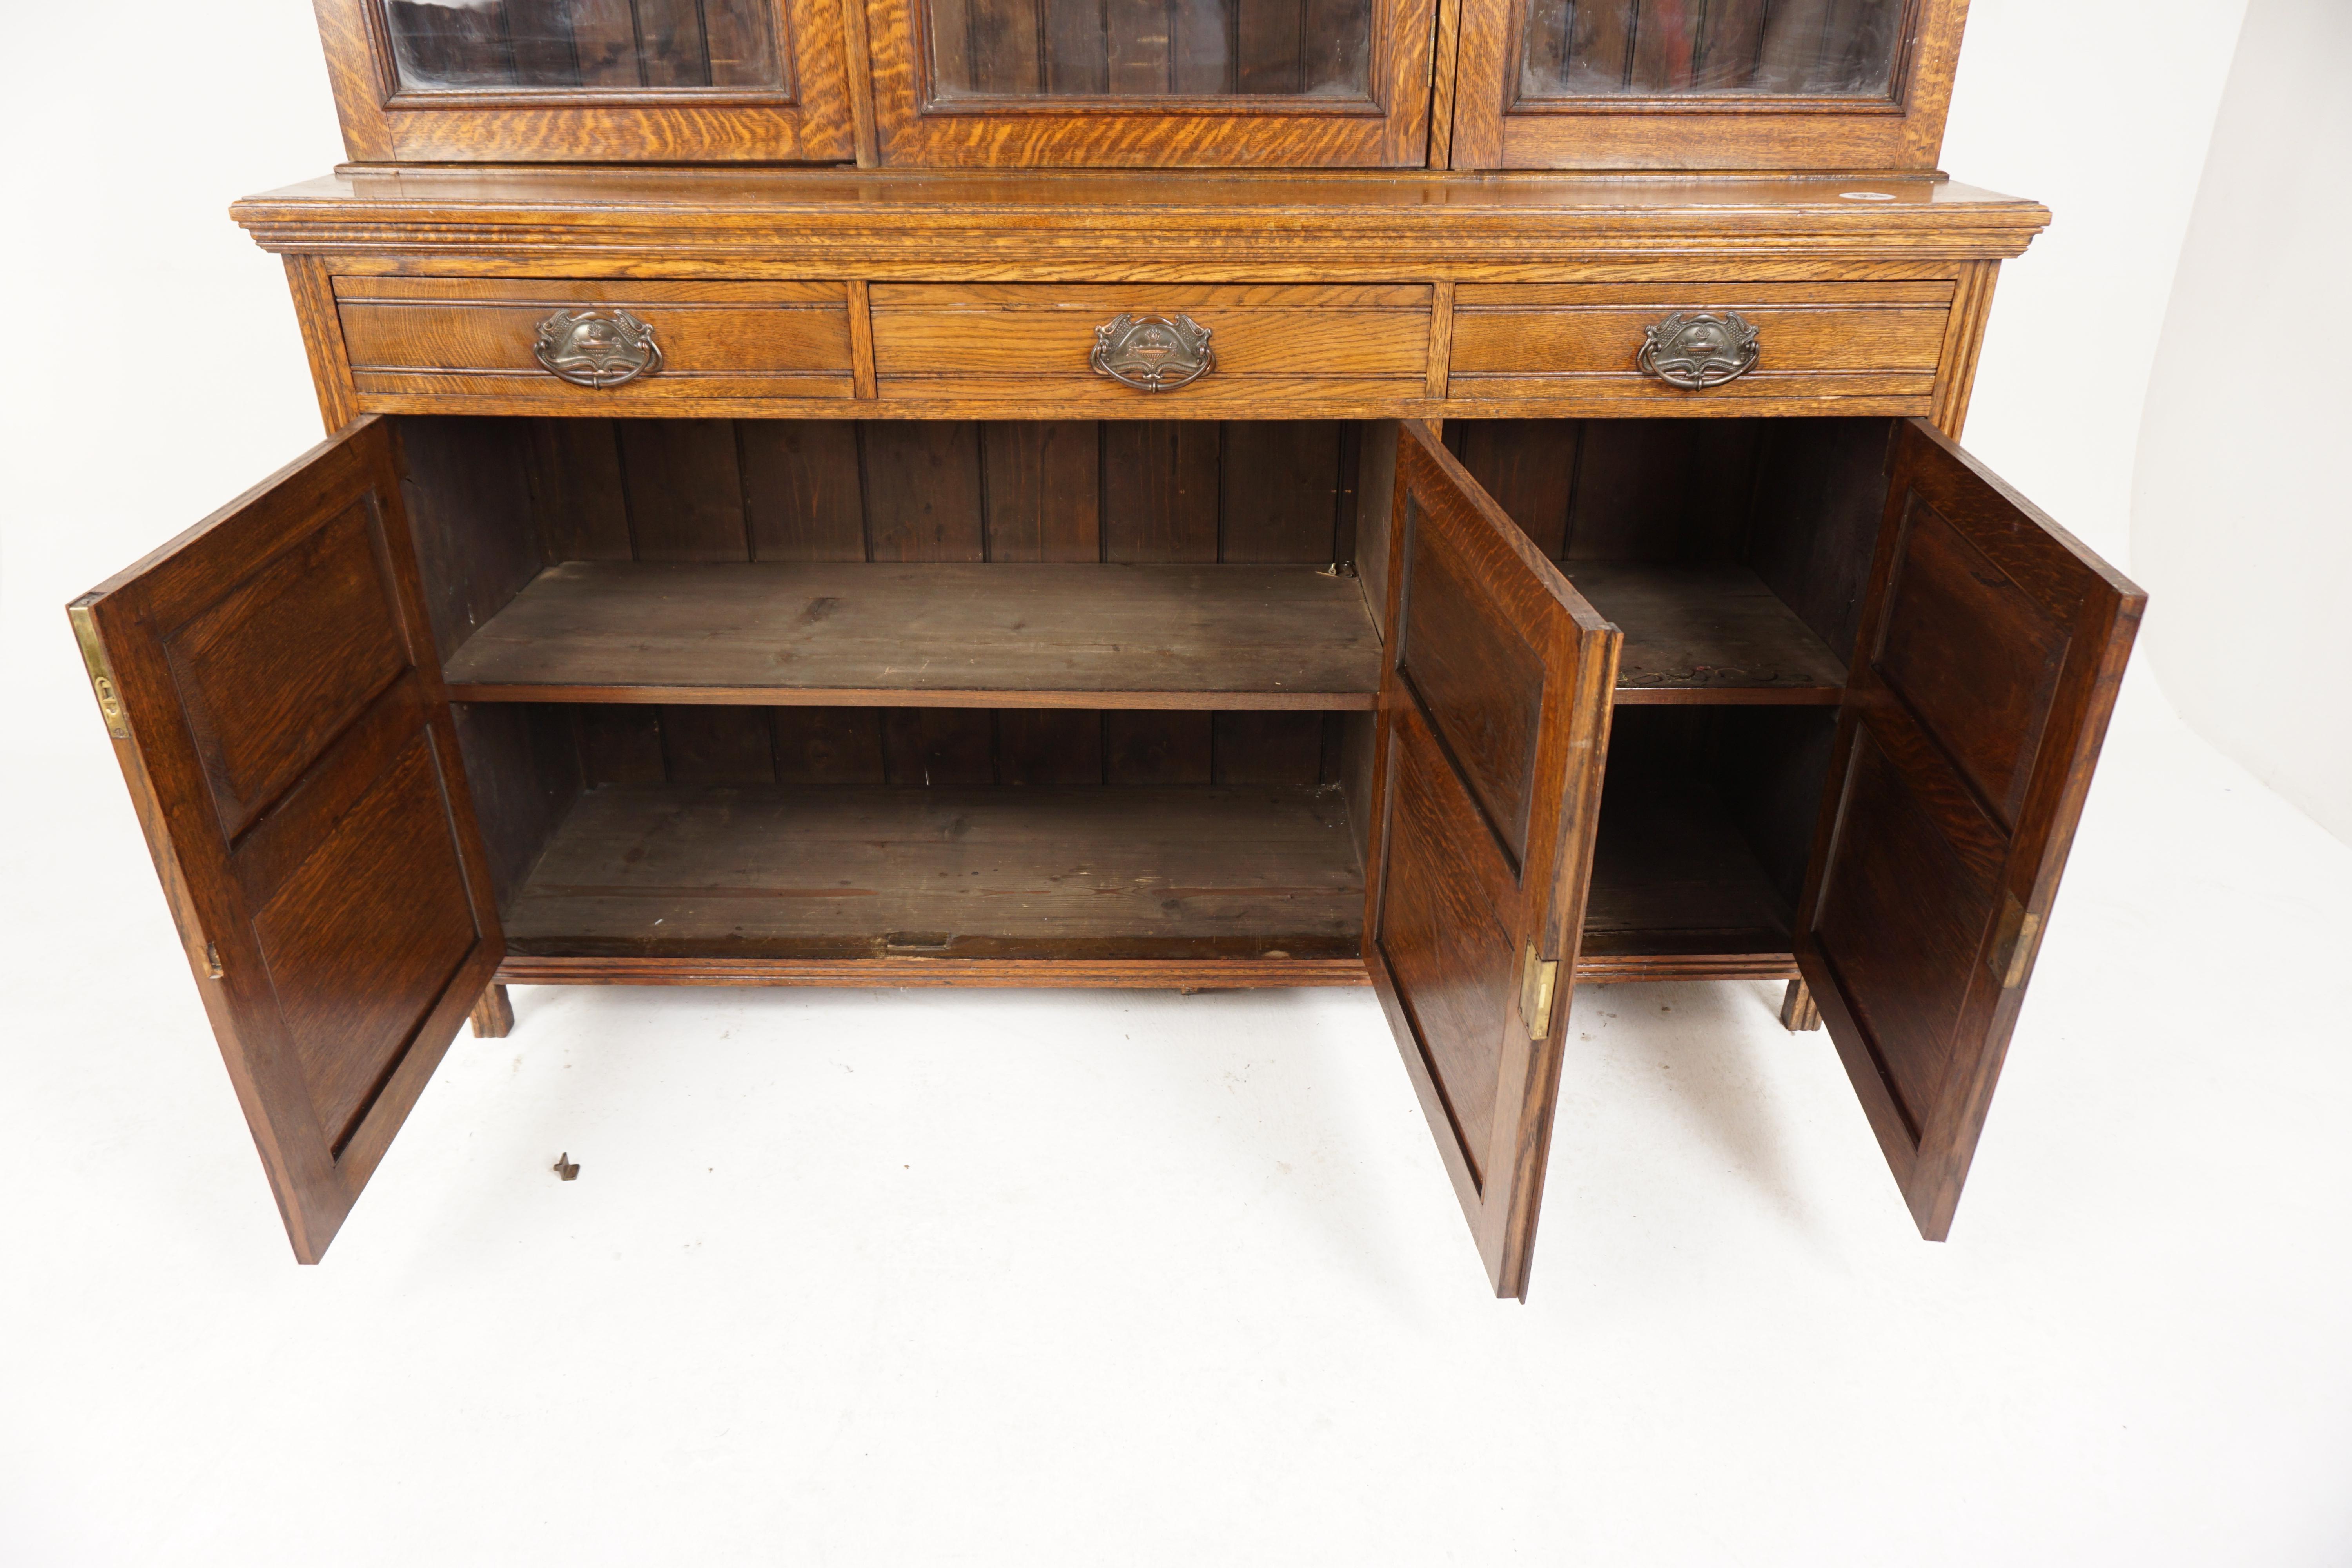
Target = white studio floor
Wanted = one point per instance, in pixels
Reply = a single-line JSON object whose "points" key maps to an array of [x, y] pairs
{"points": [[1092, 1278]]}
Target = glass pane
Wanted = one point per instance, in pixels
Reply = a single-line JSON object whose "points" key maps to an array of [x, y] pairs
{"points": [[1152, 49], [570, 45], [1651, 48]]}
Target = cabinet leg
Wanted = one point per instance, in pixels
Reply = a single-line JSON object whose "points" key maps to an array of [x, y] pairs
{"points": [[1798, 1012], [493, 1016]]}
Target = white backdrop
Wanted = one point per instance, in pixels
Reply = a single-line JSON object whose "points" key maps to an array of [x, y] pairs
{"points": [[2242, 517], [1062, 1279]]}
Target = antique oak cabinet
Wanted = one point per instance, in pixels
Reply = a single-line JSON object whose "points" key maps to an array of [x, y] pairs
{"points": [[1455, 495]]}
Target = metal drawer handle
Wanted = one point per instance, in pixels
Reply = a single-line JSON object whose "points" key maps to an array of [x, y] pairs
{"points": [[1152, 353], [597, 348], [1696, 350]]}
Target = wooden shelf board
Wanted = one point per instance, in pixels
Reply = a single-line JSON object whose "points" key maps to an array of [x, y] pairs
{"points": [[991, 873], [1673, 880], [976, 635], [1707, 635]]}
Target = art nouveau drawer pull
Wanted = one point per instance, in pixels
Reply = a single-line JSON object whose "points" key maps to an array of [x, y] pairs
{"points": [[1152, 353], [597, 348], [1695, 351]]}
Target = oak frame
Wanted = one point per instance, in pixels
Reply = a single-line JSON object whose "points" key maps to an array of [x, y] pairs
{"points": [[1390, 128], [1492, 128], [809, 121]]}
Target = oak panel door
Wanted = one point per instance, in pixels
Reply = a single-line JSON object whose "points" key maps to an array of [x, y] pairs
{"points": [[1151, 83], [1991, 648], [1494, 725], [590, 81], [270, 683]]}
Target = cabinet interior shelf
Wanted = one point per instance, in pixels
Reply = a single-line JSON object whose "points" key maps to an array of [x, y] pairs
{"points": [[1674, 877], [1084, 636], [990, 872], [949, 634], [1706, 634]]}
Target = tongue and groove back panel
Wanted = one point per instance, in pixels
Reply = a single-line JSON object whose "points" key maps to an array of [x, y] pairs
{"points": [[497, 500]]}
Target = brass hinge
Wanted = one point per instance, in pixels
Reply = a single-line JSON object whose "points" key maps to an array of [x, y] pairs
{"points": [[1538, 978], [2014, 953], [101, 672], [213, 970]]}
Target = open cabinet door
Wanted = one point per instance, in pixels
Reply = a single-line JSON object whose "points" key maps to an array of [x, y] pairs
{"points": [[1494, 725], [270, 686], [1990, 646]]}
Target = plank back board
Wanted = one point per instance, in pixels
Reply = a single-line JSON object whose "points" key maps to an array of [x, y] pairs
{"points": [[269, 682]]}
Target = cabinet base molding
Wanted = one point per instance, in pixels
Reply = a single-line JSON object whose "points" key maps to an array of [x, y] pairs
{"points": [[524, 969], [1124, 974]]}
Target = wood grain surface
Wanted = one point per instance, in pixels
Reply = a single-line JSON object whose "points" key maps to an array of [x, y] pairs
{"points": [[1823, 339], [1092, 636], [1493, 724], [996, 873], [1707, 634], [1034, 340], [1647, 119], [1130, 101], [477, 336], [644, 91], [289, 746], [1991, 648]]}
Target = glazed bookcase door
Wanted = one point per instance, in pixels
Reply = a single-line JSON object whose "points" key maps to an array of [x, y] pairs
{"points": [[589, 81], [1152, 83], [1991, 648], [1494, 725], [269, 684], [1704, 84]]}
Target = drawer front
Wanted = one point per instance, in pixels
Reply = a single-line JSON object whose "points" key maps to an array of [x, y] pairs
{"points": [[1294, 343], [489, 340], [1859, 348]]}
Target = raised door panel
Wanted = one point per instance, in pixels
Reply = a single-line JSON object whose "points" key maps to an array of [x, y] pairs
{"points": [[1151, 84], [590, 81], [1704, 84], [1493, 729], [1991, 648], [269, 684]]}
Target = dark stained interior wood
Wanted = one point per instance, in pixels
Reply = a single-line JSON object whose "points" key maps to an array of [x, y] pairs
{"points": [[1705, 817], [1706, 634], [1731, 551], [683, 496], [1672, 874], [949, 872], [1821, 485], [524, 764], [1090, 635]]}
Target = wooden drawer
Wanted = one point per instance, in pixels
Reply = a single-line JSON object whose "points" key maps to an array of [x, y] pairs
{"points": [[1858, 348], [1287, 343], [422, 343]]}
